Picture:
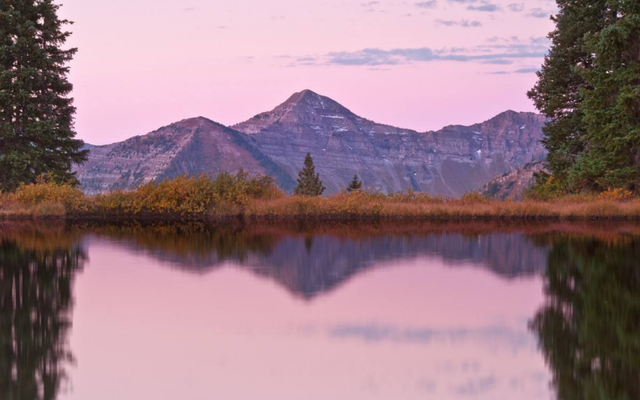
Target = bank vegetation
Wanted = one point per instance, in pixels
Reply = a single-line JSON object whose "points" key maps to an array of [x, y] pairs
{"points": [[241, 196]]}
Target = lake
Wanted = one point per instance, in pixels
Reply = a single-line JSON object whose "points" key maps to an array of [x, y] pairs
{"points": [[319, 311]]}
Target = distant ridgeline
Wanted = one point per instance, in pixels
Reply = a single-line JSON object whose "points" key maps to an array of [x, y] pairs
{"points": [[449, 162]]}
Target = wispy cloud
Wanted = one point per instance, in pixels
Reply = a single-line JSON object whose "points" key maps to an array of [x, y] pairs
{"points": [[539, 13], [427, 4], [531, 70], [497, 51], [371, 5], [188, 9], [485, 6], [383, 333], [463, 23], [516, 7], [476, 386]]}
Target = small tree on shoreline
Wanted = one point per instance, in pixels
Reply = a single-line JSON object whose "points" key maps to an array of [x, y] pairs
{"points": [[356, 184], [309, 183]]}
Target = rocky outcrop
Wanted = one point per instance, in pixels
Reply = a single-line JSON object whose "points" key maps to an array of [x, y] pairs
{"points": [[192, 147], [513, 185], [449, 162]]}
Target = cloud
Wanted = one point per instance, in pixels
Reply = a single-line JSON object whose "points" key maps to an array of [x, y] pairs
{"points": [[527, 70], [494, 336], [539, 13], [375, 56], [515, 7], [484, 7], [497, 51], [427, 4], [188, 9], [464, 23], [498, 61], [474, 387], [463, 1], [371, 4]]}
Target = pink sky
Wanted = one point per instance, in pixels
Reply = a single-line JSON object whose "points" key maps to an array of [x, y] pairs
{"points": [[143, 64], [230, 334]]}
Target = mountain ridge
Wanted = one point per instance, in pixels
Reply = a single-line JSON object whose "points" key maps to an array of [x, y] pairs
{"points": [[448, 162]]}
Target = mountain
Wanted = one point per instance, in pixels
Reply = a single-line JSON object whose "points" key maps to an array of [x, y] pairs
{"points": [[514, 184], [449, 162], [191, 146]]}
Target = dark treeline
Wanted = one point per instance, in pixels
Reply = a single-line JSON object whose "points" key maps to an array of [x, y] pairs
{"points": [[589, 87]]}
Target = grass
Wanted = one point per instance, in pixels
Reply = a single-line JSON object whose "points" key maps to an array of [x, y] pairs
{"points": [[242, 196]]}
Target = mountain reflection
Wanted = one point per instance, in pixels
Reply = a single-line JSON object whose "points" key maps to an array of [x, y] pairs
{"points": [[589, 330], [309, 260], [36, 278]]}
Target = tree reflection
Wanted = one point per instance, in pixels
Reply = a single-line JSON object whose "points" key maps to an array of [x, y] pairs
{"points": [[589, 329], [35, 306]]}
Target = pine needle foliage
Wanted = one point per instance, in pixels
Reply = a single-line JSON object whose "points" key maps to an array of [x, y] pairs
{"points": [[36, 112], [309, 183], [356, 184]]}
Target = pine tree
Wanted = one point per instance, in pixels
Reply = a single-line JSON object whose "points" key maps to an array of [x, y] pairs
{"points": [[557, 94], [611, 103], [309, 183], [36, 112], [356, 184]]}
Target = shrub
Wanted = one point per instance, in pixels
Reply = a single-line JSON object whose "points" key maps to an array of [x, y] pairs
{"points": [[474, 197], [617, 194], [37, 194], [190, 196]]}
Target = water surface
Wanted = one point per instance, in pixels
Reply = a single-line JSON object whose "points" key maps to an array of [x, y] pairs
{"points": [[440, 311]]}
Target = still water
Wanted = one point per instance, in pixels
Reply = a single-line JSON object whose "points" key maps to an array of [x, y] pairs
{"points": [[387, 311]]}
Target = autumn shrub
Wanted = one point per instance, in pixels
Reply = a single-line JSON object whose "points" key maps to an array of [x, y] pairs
{"points": [[185, 196], [45, 194], [546, 188], [616, 194], [474, 197]]}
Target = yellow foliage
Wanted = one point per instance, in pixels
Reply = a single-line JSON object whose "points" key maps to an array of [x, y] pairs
{"points": [[616, 195]]}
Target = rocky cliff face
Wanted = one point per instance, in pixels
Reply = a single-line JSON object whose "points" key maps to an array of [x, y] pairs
{"points": [[448, 162], [513, 185], [192, 146]]}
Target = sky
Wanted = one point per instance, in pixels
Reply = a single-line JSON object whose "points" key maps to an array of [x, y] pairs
{"points": [[398, 331], [143, 64]]}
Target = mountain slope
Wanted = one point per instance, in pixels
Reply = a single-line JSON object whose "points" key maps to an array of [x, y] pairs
{"points": [[513, 185], [191, 146], [449, 162]]}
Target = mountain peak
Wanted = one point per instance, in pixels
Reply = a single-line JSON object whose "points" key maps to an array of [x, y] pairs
{"points": [[303, 95], [307, 106]]}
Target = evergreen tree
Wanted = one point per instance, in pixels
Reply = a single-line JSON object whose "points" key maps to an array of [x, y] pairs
{"points": [[589, 87], [356, 184], [557, 94], [36, 112], [611, 103], [309, 183]]}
